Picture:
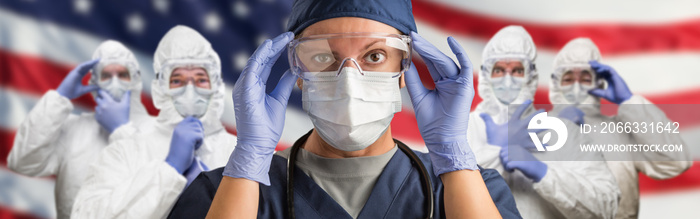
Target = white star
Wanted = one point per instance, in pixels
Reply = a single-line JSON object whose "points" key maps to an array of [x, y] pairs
{"points": [[212, 22], [135, 23], [240, 9], [240, 60], [82, 6], [162, 6]]}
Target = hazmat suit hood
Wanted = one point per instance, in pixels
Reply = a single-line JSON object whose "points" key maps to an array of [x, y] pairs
{"points": [[511, 42], [113, 52], [182, 46], [576, 53]]}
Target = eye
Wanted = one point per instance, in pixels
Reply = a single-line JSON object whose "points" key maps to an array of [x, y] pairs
{"points": [[175, 81], [124, 75], [497, 71], [375, 57], [323, 58], [203, 80], [519, 71], [105, 76]]}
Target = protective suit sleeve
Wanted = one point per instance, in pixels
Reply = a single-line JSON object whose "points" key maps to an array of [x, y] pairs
{"points": [[125, 183], [122, 132], [580, 189], [36, 149], [659, 164], [487, 155], [583, 189]]}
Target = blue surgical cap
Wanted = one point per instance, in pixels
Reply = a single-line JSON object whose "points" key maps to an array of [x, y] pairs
{"points": [[395, 13]]}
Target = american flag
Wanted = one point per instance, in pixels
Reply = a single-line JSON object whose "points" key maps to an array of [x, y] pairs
{"points": [[654, 45]]}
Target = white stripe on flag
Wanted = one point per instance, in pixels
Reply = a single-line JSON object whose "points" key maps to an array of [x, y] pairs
{"points": [[644, 73], [27, 194], [591, 11]]}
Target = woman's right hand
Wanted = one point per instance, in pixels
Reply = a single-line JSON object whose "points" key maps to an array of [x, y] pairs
{"points": [[259, 116]]}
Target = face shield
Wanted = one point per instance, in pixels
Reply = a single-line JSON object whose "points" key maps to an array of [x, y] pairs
{"points": [[508, 76], [116, 76], [575, 81], [190, 94]]}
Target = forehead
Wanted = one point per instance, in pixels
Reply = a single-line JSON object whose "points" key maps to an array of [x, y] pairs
{"points": [[348, 25], [509, 63], [114, 67], [184, 71], [578, 72]]}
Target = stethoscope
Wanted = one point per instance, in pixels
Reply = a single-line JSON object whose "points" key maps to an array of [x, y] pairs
{"points": [[425, 179]]}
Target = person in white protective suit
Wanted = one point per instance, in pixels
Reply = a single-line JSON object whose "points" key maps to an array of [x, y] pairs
{"points": [[142, 177], [576, 74], [542, 189], [54, 141]]}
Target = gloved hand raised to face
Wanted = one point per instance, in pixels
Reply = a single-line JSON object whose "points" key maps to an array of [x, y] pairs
{"points": [[71, 86], [259, 116], [512, 132], [518, 158], [617, 90], [443, 113], [111, 113], [187, 137]]}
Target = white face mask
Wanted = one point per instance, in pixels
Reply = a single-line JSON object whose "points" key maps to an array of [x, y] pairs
{"points": [[114, 86], [351, 111], [576, 93], [190, 100], [507, 88]]}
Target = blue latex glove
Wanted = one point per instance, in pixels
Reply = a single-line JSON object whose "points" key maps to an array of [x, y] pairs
{"points": [[187, 137], [521, 159], [443, 113], [111, 113], [617, 90], [71, 87], [512, 132], [193, 171], [259, 116], [573, 114]]}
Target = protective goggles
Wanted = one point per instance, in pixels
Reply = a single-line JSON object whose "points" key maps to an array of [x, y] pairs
{"points": [[489, 65], [560, 71], [97, 70], [169, 66], [372, 52]]}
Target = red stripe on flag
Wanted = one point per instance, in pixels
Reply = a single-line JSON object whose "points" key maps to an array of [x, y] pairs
{"points": [[611, 38], [34, 75], [9, 213], [7, 138], [690, 179]]}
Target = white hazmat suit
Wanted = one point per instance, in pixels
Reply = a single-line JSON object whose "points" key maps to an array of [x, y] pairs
{"points": [[132, 178], [52, 141], [659, 165], [569, 189]]}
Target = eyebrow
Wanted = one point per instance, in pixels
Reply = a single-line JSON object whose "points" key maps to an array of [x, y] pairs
{"points": [[370, 45]]}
